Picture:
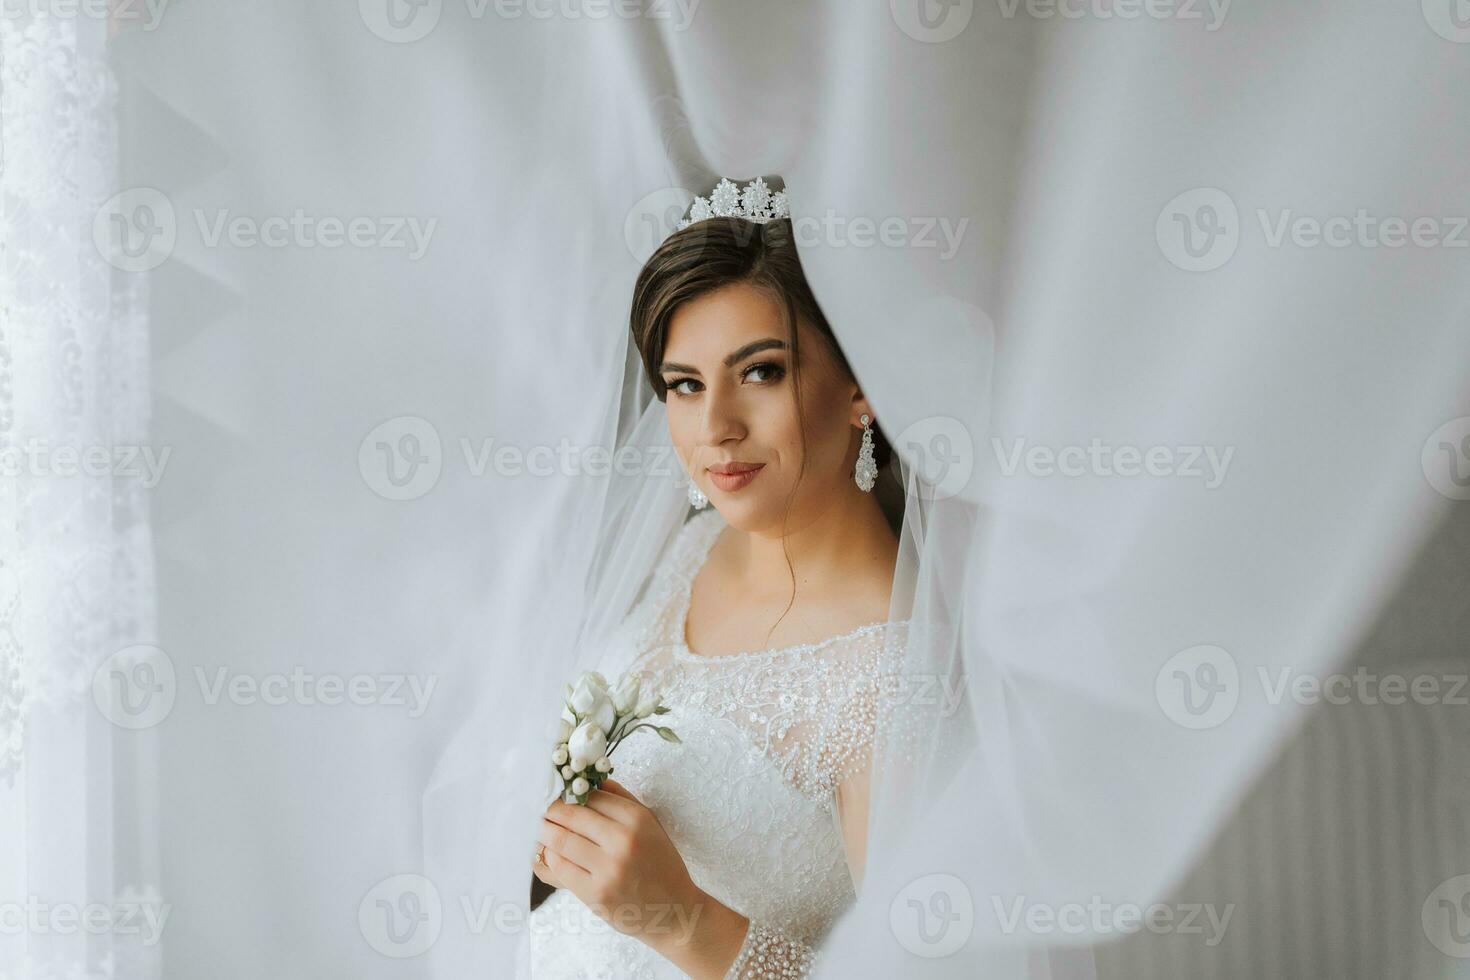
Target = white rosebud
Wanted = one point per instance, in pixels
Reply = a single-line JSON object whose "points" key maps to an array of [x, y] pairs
{"points": [[564, 726], [567, 772], [647, 705], [604, 764], [560, 756], [625, 698], [592, 702], [580, 786], [587, 744]]}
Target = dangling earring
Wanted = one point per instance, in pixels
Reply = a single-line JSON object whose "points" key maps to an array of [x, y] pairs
{"points": [[696, 496], [867, 470]]}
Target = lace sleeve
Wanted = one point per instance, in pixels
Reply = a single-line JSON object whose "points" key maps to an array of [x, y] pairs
{"points": [[769, 954]]}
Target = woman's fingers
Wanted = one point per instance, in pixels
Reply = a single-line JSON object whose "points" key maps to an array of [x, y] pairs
{"points": [[559, 872], [613, 800], [617, 789], [572, 847], [593, 823]]}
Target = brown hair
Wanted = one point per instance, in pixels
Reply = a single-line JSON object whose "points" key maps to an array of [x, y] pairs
{"points": [[718, 252]]}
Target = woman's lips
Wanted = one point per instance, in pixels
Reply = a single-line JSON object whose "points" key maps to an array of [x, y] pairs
{"points": [[739, 476]]}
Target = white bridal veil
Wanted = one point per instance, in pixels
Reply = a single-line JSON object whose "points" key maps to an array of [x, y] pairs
{"points": [[1163, 307], [1155, 450]]}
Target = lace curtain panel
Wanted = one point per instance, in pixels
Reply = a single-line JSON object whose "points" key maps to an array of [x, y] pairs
{"points": [[79, 894]]}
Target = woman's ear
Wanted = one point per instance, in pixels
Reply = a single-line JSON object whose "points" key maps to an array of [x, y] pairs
{"points": [[860, 407]]}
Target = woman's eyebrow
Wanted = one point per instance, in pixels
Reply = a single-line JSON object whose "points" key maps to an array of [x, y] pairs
{"points": [[733, 358]]}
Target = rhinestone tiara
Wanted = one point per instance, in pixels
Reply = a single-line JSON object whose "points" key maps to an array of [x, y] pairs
{"points": [[755, 203]]}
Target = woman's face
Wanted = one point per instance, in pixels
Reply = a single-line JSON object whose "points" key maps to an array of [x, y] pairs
{"points": [[732, 410]]}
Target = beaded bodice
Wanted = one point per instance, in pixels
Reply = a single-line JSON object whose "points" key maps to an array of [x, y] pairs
{"points": [[748, 794]]}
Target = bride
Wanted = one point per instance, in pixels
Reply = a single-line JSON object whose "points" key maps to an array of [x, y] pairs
{"points": [[765, 627]]}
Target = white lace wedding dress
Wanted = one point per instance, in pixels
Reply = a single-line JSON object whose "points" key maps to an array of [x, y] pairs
{"points": [[750, 797]]}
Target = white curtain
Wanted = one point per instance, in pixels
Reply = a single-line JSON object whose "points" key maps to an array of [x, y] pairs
{"points": [[79, 864]]}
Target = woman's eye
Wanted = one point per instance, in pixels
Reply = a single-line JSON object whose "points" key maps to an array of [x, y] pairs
{"points": [[674, 385], [771, 372]]}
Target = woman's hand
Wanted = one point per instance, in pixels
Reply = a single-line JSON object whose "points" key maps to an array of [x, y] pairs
{"points": [[614, 855]]}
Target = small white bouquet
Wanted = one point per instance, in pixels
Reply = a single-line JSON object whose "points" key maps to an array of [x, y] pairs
{"points": [[594, 721]]}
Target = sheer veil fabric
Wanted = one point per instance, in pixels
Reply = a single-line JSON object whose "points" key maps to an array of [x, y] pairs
{"points": [[1152, 442], [1053, 604]]}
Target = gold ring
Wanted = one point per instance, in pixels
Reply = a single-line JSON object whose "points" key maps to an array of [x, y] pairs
{"points": [[540, 856]]}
